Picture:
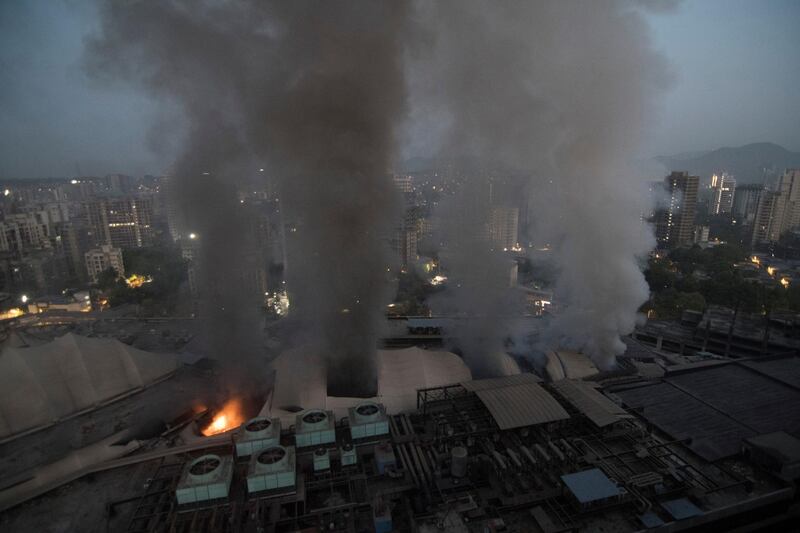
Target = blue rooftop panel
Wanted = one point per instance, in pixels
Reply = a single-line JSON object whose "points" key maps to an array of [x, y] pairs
{"points": [[681, 508], [590, 485]]}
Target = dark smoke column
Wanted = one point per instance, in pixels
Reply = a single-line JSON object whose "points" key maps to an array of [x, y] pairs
{"points": [[312, 91]]}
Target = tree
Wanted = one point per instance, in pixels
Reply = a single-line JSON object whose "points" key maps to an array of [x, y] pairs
{"points": [[107, 279], [659, 276]]}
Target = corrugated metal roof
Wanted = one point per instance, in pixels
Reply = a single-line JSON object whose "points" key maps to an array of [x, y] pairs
{"points": [[526, 404], [496, 383], [588, 400]]}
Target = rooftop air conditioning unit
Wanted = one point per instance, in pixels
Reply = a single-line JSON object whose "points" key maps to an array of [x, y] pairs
{"points": [[206, 478], [368, 419], [314, 427], [271, 468], [257, 434], [322, 459], [348, 454]]}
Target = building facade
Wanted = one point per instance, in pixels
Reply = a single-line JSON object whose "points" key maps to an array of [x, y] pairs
{"points": [[745, 203], [101, 259], [789, 188], [675, 223], [723, 189], [121, 222], [769, 218], [504, 227]]}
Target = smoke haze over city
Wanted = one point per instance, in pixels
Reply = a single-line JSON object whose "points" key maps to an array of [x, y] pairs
{"points": [[399, 265]]}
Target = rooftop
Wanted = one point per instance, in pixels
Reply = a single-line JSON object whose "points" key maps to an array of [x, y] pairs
{"points": [[590, 485], [585, 397], [520, 405], [719, 405]]}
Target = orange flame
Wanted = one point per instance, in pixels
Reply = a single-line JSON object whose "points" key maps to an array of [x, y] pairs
{"points": [[226, 419]]}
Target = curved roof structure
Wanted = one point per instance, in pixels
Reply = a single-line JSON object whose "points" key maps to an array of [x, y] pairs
{"points": [[566, 364], [43, 384], [301, 380]]}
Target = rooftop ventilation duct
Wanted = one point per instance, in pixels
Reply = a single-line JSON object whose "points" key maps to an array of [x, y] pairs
{"points": [[368, 419], [314, 427], [271, 468], [257, 434], [206, 478]]}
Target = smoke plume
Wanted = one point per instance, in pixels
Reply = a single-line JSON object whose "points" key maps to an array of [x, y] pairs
{"points": [[311, 91], [561, 92], [314, 92]]}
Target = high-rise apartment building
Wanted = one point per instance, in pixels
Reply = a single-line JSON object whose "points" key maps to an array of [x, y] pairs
{"points": [[723, 188], [101, 259], [779, 210], [404, 183], [745, 203], [675, 222], [121, 221], [22, 232], [789, 188], [504, 227], [405, 237], [769, 218]]}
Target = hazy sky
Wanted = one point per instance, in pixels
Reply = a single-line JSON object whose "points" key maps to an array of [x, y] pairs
{"points": [[735, 62]]}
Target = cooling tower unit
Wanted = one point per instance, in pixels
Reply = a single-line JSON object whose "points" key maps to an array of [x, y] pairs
{"points": [[271, 468], [206, 478], [314, 427], [322, 459], [348, 454], [368, 419], [257, 434]]}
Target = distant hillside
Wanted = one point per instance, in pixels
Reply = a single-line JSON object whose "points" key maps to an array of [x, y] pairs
{"points": [[752, 163]]}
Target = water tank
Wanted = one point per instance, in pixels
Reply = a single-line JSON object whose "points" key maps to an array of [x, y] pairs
{"points": [[458, 461]]}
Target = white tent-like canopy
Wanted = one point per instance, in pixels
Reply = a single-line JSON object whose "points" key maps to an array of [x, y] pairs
{"points": [[301, 380], [42, 384]]}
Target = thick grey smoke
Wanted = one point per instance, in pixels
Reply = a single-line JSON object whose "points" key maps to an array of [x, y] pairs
{"points": [[312, 91], [563, 92], [478, 289]]}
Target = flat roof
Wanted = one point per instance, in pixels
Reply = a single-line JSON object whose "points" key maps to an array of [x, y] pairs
{"points": [[780, 444], [590, 485], [526, 404], [785, 370], [681, 508], [719, 406], [591, 402]]}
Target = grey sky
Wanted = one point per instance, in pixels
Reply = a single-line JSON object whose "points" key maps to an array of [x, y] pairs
{"points": [[736, 69], [737, 66]]}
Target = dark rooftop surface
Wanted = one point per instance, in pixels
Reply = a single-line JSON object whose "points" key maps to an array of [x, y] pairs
{"points": [[718, 406]]}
